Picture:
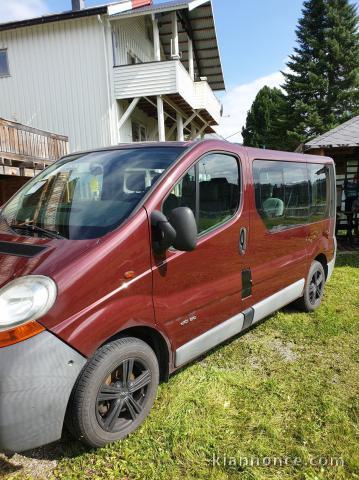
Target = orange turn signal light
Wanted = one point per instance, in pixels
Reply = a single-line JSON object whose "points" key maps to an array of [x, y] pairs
{"points": [[130, 274], [20, 333]]}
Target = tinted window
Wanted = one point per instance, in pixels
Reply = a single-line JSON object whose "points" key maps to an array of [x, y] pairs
{"points": [[219, 190], [210, 189], [282, 194], [319, 189], [87, 195], [183, 195], [4, 64]]}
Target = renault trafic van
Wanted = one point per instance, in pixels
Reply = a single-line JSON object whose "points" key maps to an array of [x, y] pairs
{"points": [[119, 266]]}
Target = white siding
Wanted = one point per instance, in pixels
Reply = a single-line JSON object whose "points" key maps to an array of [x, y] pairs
{"points": [[130, 36], [60, 80], [164, 78], [206, 100], [145, 79]]}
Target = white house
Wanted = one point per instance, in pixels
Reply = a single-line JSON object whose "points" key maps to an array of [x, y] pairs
{"points": [[121, 72]]}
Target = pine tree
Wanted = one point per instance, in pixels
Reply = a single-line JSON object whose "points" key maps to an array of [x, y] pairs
{"points": [[265, 126], [323, 84]]}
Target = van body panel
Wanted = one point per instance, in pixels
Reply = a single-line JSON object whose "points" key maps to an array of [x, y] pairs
{"points": [[104, 301], [95, 300]]}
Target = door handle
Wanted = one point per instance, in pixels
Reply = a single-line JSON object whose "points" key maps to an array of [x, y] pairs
{"points": [[243, 240]]}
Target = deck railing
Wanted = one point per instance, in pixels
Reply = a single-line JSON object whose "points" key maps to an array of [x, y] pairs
{"points": [[20, 142]]}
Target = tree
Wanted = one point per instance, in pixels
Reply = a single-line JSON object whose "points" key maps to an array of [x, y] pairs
{"points": [[265, 125], [322, 86]]}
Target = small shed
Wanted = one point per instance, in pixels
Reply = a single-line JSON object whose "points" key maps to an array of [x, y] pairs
{"points": [[24, 152], [342, 144]]}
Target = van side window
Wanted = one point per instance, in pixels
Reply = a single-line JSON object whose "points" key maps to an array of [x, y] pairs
{"points": [[183, 194], [211, 189], [319, 186], [219, 190], [282, 194]]}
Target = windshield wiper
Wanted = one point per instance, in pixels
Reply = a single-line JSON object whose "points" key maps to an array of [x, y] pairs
{"points": [[35, 228]]}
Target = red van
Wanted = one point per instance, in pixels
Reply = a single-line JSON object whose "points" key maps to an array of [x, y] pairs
{"points": [[120, 265]]}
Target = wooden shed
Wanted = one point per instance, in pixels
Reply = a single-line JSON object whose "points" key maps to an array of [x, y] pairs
{"points": [[342, 144], [24, 152]]}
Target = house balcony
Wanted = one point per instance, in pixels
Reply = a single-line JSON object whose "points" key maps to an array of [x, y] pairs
{"points": [[170, 80]]}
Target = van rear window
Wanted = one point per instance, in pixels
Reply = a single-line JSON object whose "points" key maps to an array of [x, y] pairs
{"points": [[290, 194]]}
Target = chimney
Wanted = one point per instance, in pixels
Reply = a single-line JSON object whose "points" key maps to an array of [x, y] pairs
{"points": [[78, 5]]}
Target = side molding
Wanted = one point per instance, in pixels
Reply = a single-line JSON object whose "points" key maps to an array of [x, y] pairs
{"points": [[208, 340], [278, 300]]}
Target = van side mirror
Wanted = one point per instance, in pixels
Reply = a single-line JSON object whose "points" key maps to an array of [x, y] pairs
{"points": [[163, 233], [183, 221], [179, 231]]}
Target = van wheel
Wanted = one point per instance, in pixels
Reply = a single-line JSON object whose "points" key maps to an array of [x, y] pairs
{"points": [[314, 288], [114, 393]]}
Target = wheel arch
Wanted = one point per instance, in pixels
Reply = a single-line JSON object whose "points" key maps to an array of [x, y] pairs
{"points": [[155, 340], [321, 258]]}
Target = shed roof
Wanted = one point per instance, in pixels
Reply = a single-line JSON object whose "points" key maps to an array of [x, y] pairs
{"points": [[345, 135]]}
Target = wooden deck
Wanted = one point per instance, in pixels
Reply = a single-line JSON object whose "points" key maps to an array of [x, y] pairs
{"points": [[26, 144], [24, 152]]}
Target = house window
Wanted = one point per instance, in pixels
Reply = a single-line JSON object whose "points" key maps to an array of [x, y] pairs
{"points": [[139, 132], [4, 63]]}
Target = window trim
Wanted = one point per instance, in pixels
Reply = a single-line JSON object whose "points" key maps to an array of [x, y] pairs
{"points": [[240, 179], [8, 74], [290, 227]]}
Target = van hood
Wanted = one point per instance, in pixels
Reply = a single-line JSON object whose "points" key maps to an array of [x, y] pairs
{"points": [[27, 255]]}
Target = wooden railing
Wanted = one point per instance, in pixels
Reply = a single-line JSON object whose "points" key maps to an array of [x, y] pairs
{"points": [[20, 142]]}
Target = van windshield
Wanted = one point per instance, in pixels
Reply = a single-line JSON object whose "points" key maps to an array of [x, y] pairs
{"points": [[87, 195]]}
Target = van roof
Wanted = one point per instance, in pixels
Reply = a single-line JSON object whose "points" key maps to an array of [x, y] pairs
{"points": [[220, 144]]}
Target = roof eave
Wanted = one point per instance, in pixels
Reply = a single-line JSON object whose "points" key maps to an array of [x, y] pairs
{"points": [[53, 18]]}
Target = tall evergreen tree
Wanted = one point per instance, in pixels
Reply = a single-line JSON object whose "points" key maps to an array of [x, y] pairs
{"points": [[265, 124], [323, 84]]}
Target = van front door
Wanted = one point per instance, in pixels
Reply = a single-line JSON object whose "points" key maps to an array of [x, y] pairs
{"points": [[197, 291]]}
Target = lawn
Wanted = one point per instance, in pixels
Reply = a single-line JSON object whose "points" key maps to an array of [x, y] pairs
{"points": [[285, 394]]}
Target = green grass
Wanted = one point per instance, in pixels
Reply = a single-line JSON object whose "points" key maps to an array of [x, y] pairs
{"points": [[288, 388]]}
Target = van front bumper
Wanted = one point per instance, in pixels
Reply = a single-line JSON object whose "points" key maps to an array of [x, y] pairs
{"points": [[36, 380]]}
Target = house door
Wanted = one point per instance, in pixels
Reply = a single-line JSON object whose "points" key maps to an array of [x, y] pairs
{"points": [[194, 292]]}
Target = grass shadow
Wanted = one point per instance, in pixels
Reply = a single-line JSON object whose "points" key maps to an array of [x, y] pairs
{"points": [[347, 260], [7, 468], [65, 448]]}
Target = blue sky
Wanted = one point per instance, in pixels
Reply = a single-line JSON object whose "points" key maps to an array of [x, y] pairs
{"points": [[255, 37]]}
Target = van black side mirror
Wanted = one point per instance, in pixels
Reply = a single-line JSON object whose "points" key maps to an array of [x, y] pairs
{"points": [[179, 231], [183, 221]]}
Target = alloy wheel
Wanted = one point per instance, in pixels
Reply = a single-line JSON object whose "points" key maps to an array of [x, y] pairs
{"points": [[122, 395], [316, 287]]}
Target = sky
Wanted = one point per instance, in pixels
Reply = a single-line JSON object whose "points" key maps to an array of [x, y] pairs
{"points": [[255, 38]]}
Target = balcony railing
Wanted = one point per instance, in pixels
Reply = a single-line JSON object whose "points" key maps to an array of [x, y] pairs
{"points": [[165, 78], [22, 143]]}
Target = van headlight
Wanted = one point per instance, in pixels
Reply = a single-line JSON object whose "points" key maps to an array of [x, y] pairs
{"points": [[26, 298]]}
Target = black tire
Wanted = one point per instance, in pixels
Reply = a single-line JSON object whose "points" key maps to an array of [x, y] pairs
{"points": [[114, 393], [314, 289]]}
